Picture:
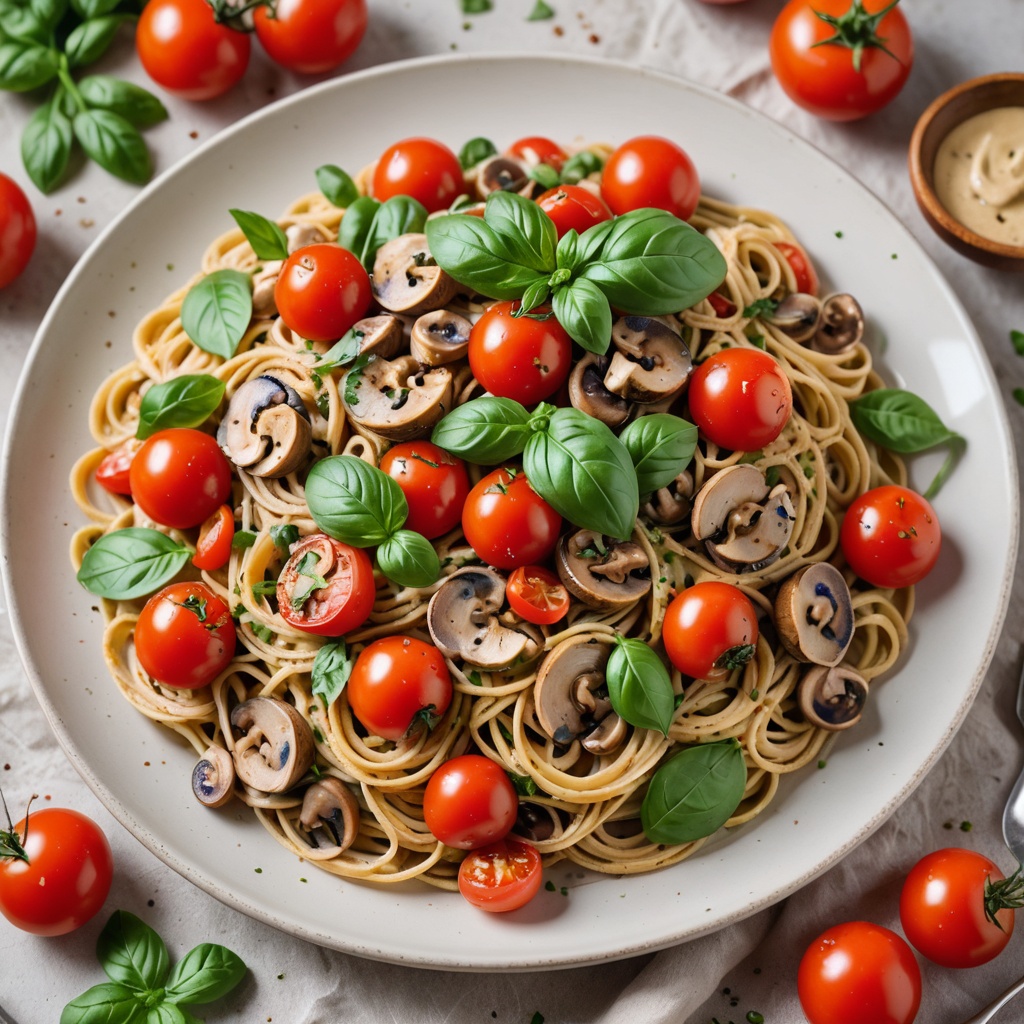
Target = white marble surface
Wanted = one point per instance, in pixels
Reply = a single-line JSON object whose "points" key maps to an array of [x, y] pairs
{"points": [[751, 966]]}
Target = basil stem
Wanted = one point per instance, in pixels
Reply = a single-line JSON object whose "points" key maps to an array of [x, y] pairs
{"points": [[486, 431], [216, 311], [185, 401], [267, 238], [355, 502], [639, 686], [131, 563], [661, 446], [409, 559], [332, 667]]}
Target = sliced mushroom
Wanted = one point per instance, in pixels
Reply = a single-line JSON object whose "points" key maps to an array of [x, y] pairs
{"points": [[501, 173], [832, 698], [651, 361], [814, 614], [604, 573], [536, 822], [383, 335], [672, 503], [275, 748], [266, 428], [330, 815], [406, 279], [609, 734], [587, 392], [264, 278], [398, 399], [745, 525], [463, 619], [440, 337], [213, 778], [842, 324], [798, 315]]}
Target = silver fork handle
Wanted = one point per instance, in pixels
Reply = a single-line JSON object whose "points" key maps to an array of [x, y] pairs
{"points": [[993, 1008], [1013, 820]]}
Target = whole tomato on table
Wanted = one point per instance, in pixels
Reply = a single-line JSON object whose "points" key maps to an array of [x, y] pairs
{"points": [[17, 230], [310, 36]]}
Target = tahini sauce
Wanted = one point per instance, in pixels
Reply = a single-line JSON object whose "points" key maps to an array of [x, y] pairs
{"points": [[979, 174]]}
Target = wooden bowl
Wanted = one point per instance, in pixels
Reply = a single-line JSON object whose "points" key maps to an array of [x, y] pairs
{"points": [[942, 116]]}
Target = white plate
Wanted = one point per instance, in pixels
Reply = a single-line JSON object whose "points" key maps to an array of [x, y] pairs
{"points": [[142, 774]]}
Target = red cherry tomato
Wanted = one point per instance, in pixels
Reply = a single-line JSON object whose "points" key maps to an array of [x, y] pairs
{"points": [[179, 477], [519, 357], [891, 536], [434, 482], [537, 595], [183, 49], [326, 587], [322, 291], [823, 76], [723, 307], [859, 972], [710, 629], [113, 471], [740, 398], [501, 876], [422, 168], [213, 548], [573, 208], [944, 904], [535, 149], [470, 802], [65, 878], [507, 523], [397, 683], [803, 270], [17, 230], [184, 636], [651, 171], [311, 36]]}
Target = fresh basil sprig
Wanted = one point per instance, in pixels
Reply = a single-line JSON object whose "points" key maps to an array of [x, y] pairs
{"points": [[216, 311], [694, 793], [131, 563], [185, 401], [368, 223], [661, 446], [332, 667], [902, 422], [639, 686], [267, 237], [142, 985]]}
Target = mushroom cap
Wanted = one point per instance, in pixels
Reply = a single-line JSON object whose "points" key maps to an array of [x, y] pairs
{"points": [[651, 361], [330, 815], [406, 279], [832, 698], [213, 777], [501, 174], [814, 614], [440, 337], [842, 324], [399, 399], [603, 573], [587, 391], [276, 747], [798, 315], [564, 691]]}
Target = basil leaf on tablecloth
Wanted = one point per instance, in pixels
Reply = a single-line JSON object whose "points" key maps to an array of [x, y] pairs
{"points": [[46, 144], [136, 105], [205, 973], [113, 143], [132, 953], [87, 42]]}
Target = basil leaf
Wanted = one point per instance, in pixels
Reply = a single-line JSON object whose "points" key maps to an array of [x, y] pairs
{"points": [[694, 793], [399, 215], [87, 42], [476, 6], [243, 539], [217, 310], [545, 175], [136, 105], [475, 151], [185, 401], [105, 1004], [332, 667], [114, 144], [49, 12], [93, 8], [354, 502], [639, 686], [580, 165], [131, 953], [541, 12], [169, 1013], [661, 446], [25, 65], [533, 297], [205, 973], [581, 469], [266, 237], [131, 563], [284, 535], [409, 559], [46, 145], [486, 431], [356, 223], [336, 185], [342, 352], [527, 232], [582, 309]]}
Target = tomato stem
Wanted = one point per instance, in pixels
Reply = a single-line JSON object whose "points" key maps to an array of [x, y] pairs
{"points": [[857, 30], [11, 845], [1006, 894]]}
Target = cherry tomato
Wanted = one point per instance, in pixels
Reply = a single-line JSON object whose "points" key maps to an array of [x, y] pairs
{"points": [[17, 230], [573, 208], [507, 523], [311, 36], [179, 477], [535, 149], [803, 269], [943, 908], [537, 595], [710, 629], [519, 357], [422, 168], [434, 482], [651, 171], [322, 291], [64, 876], [859, 972], [740, 398], [891, 536], [213, 548], [840, 80], [183, 49], [397, 683], [113, 471], [470, 802], [326, 587], [184, 636], [501, 876], [723, 307]]}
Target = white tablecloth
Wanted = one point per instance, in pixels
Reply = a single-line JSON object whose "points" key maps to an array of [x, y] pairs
{"points": [[748, 967]]}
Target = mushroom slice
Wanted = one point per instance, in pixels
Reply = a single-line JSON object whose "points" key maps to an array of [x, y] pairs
{"points": [[501, 174], [605, 574], [814, 614], [383, 335], [797, 315], [651, 361], [587, 392], [213, 778], [400, 399], [842, 324], [832, 698], [406, 279], [275, 748], [608, 735], [440, 337], [672, 503], [330, 815], [266, 428], [463, 621]]}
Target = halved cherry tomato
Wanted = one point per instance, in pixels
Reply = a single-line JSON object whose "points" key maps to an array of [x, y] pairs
{"points": [[113, 471], [501, 876], [310, 36], [397, 684], [17, 230], [213, 548], [573, 208], [326, 587], [537, 595], [535, 149], [651, 171], [803, 269], [723, 307], [422, 168], [184, 636], [434, 482], [470, 802]]}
